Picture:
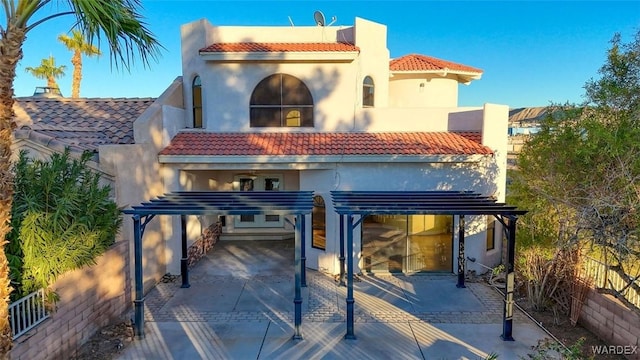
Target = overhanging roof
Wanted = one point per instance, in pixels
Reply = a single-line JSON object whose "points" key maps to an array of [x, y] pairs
{"points": [[419, 202], [227, 203], [325, 144], [250, 51]]}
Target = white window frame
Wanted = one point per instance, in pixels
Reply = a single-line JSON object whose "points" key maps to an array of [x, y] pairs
{"points": [[258, 185]]}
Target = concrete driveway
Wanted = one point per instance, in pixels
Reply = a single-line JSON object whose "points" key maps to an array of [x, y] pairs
{"points": [[240, 306]]}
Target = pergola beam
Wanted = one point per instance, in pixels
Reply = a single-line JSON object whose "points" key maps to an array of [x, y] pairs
{"points": [[183, 203], [459, 203]]}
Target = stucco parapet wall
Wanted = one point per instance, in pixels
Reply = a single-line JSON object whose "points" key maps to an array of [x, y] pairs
{"points": [[149, 127]]}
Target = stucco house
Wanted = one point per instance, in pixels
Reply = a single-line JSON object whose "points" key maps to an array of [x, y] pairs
{"points": [[316, 108], [325, 108]]}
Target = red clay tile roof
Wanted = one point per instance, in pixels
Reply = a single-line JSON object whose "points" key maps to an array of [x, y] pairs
{"points": [[278, 47], [323, 144], [415, 62], [82, 124]]}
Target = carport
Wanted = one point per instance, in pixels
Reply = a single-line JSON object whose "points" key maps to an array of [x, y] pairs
{"points": [[296, 203], [354, 206]]}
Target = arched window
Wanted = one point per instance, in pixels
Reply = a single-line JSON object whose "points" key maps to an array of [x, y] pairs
{"points": [[319, 238], [368, 90], [196, 88], [281, 100]]}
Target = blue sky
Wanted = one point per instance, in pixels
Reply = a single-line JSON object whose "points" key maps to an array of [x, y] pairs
{"points": [[532, 52]]}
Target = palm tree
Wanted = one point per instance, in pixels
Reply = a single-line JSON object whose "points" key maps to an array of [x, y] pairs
{"points": [[47, 71], [116, 21], [78, 44]]}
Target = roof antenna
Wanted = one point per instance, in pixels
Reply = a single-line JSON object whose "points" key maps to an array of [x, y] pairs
{"points": [[318, 16], [333, 19], [291, 21]]}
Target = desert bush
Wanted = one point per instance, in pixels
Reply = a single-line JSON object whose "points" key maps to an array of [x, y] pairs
{"points": [[62, 219], [544, 271]]}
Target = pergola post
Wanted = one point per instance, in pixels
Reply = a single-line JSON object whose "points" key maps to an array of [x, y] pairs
{"points": [[186, 203], [507, 319], [303, 258], [341, 258], [184, 260], [461, 261], [297, 301], [139, 290], [350, 300]]}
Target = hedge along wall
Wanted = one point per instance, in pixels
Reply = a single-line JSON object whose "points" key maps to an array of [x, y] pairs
{"points": [[613, 322], [90, 298]]}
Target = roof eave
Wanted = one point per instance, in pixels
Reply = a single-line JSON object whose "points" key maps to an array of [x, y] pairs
{"points": [[306, 56], [291, 159], [465, 76]]}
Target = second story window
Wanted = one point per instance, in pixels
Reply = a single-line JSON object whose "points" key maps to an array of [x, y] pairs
{"points": [[368, 90], [197, 102], [281, 100]]}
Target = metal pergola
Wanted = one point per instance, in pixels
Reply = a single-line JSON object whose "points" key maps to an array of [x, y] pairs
{"points": [[183, 203], [459, 203]]}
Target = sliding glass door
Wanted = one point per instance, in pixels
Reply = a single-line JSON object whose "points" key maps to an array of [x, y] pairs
{"points": [[407, 243]]}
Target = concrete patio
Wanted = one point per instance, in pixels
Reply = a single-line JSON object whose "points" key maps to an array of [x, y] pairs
{"points": [[240, 306]]}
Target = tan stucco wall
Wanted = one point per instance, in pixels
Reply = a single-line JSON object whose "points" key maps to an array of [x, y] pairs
{"points": [[336, 86], [423, 91], [137, 181], [137, 176]]}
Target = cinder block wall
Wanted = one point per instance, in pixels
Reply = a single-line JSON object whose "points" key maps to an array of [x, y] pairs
{"points": [[613, 322], [90, 298]]}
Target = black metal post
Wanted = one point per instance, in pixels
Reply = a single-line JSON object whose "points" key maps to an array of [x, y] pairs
{"points": [[507, 318], [184, 261], [297, 301], [461, 261], [303, 258], [341, 258], [350, 300], [139, 286]]}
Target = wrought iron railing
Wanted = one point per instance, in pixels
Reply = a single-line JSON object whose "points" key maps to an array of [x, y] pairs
{"points": [[605, 278], [27, 313]]}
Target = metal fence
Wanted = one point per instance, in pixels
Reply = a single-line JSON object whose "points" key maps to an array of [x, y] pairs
{"points": [[605, 278], [27, 313]]}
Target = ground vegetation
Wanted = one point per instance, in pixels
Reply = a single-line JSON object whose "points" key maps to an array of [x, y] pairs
{"points": [[116, 22]]}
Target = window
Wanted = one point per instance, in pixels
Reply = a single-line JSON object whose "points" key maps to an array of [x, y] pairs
{"points": [[318, 220], [491, 233], [281, 100], [258, 183], [197, 102], [368, 90], [293, 118], [246, 184]]}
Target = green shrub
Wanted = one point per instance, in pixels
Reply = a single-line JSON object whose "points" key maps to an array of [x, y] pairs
{"points": [[62, 219]]}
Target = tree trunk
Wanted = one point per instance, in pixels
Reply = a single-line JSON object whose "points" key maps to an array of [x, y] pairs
{"points": [[11, 52], [51, 82], [76, 61]]}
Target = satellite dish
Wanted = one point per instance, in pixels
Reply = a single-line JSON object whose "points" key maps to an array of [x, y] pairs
{"points": [[318, 16]]}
